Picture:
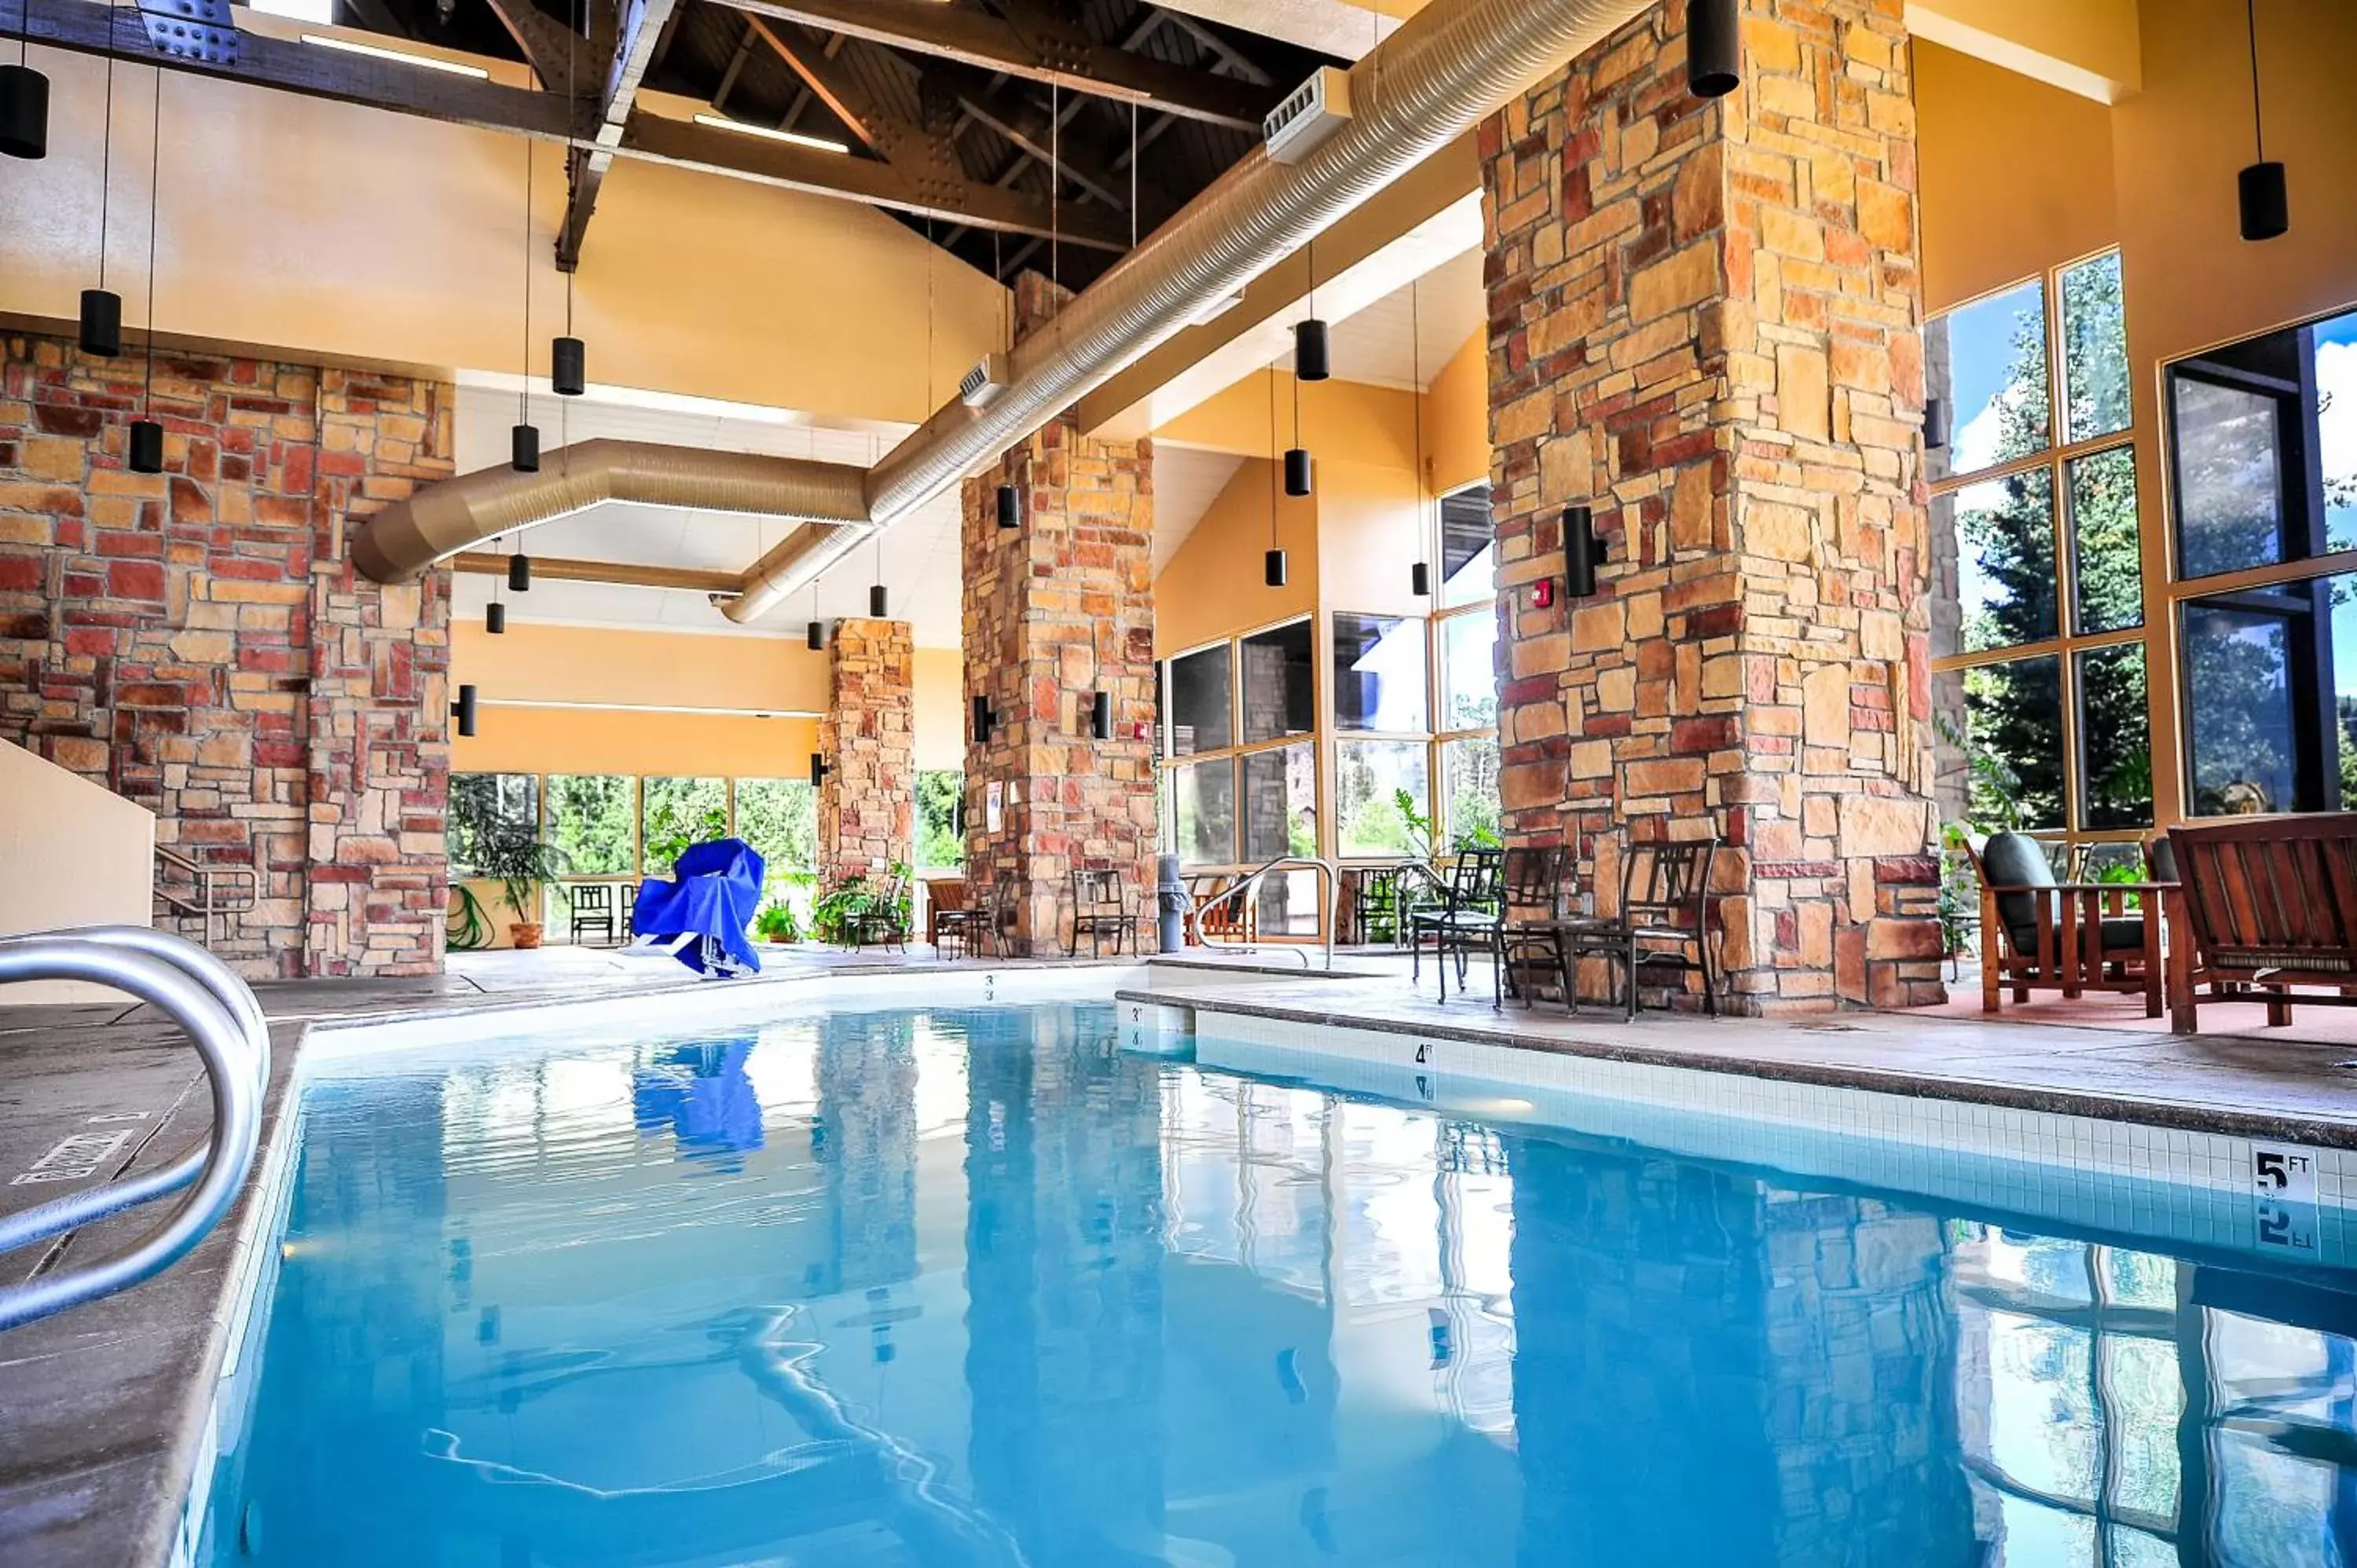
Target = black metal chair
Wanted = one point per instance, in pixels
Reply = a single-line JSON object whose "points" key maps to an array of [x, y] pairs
{"points": [[1100, 909], [630, 911], [1384, 898], [592, 911], [1465, 922], [966, 924], [1664, 909], [1531, 935], [881, 922]]}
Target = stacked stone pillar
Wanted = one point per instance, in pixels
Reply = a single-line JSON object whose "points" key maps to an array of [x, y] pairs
{"points": [[867, 799], [1705, 323], [1056, 610]]}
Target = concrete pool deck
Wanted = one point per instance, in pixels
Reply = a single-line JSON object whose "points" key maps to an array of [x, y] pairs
{"points": [[104, 1409]]}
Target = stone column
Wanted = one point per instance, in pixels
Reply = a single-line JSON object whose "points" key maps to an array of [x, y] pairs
{"points": [[1057, 610], [867, 801], [1704, 322]]}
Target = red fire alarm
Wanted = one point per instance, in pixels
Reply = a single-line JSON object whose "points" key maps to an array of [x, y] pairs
{"points": [[1543, 593]]}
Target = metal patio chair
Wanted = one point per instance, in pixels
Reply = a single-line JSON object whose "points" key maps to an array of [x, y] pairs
{"points": [[1100, 909], [1465, 922], [1664, 909], [592, 911]]}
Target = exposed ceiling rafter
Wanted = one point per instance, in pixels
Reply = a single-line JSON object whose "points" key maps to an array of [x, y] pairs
{"points": [[640, 29]]}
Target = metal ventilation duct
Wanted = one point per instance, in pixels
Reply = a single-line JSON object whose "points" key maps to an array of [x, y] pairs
{"points": [[401, 542], [1450, 67]]}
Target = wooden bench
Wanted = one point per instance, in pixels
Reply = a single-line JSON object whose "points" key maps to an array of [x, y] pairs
{"points": [[2267, 903]]}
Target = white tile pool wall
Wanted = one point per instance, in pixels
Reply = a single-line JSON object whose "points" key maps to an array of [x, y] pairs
{"points": [[2199, 1188]]}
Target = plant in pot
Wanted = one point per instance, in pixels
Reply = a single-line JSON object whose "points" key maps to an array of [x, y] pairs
{"points": [[514, 855]]}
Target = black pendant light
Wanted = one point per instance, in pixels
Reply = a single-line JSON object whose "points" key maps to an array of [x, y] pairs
{"points": [[1273, 571], [519, 571], [1419, 574], [817, 628], [523, 440], [1296, 457], [1010, 507], [879, 603], [1311, 359], [1713, 47], [147, 435], [101, 308], [464, 710], [495, 617], [1101, 715], [24, 99], [2259, 189]]}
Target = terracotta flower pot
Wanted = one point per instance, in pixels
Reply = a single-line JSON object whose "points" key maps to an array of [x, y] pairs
{"points": [[524, 933]]}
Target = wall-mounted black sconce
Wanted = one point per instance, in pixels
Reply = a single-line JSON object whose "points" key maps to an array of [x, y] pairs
{"points": [[519, 573], [1101, 715], [1935, 422], [464, 710], [1582, 553], [819, 769], [568, 366], [1713, 47], [523, 448], [984, 721], [1010, 507], [1297, 471]]}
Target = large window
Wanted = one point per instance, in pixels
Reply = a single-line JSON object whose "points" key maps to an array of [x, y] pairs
{"points": [[1378, 785], [2039, 632], [1379, 675], [483, 802], [592, 818], [675, 813], [1243, 774], [940, 819], [1465, 700], [779, 817], [2262, 448]]}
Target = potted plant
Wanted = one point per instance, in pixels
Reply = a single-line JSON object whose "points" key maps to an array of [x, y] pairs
{"points": [[514, 855], [776, 923]]}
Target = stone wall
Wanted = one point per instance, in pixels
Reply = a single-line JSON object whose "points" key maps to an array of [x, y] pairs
{"points": [[1057, 610], [195, 640], [1705, 323], [867, 801]]}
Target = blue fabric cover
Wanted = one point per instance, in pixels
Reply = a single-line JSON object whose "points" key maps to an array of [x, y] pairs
{"points": [[716, 891]]}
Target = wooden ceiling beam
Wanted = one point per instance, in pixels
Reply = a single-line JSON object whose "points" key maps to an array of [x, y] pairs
{"points": [[555, 53], [639, 28], [1043, 48], [843, 98]]}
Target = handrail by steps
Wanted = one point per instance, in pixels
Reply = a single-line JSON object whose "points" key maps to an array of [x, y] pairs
{"points": [[200, 900], [222, 1020], [1330, 880]]}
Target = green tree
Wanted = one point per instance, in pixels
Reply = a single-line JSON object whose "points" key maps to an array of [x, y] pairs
{"points": [[589, 822], [940, 819]]}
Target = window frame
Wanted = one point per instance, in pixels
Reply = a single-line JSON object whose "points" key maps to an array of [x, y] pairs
{"points": [[1318, 735], [2057, 457], [1437, 626]]}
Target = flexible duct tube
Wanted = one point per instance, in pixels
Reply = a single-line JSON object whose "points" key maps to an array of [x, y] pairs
{"points": [[398, 543], [1451, 66]]}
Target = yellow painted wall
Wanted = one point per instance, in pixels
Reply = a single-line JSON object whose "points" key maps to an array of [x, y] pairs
{"points": [[351, 235], [622, 740], [1213, 588], [539, 663], [72, 853], [2016, 174], [940, 683], [1457, 417], [2089, 47], [1349, 419]]}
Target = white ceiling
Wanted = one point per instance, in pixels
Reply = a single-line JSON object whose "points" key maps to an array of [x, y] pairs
{"points": [[1445, 306], [1187, 481], [918, 563]]}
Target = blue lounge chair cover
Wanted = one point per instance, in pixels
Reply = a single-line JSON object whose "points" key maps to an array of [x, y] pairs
{"points": [[714, 892]]}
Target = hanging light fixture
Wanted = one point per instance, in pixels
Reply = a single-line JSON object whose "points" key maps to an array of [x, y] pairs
{"points": [[24, 99], [523, 441], [1311, 359], [1419, 575], [569, 361], [147, 435], [1713, 47], [101, 308], [1296, 457], [817, 628], [879, 601], [2259, 189], [1273, 564], [495, 614], [463, 709], [519, 571]]}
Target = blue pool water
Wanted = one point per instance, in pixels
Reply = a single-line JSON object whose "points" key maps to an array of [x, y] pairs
{"points": [[974, 1286]]}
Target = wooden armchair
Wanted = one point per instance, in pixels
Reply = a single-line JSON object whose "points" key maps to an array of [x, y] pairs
{"points": [[2268, 903], [2041, 934]]}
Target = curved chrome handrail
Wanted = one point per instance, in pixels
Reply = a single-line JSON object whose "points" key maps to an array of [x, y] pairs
{"points": [[201, 995], [1330, 880]]}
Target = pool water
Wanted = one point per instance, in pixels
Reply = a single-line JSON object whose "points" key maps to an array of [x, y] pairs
{"points": [[975, 1286]]}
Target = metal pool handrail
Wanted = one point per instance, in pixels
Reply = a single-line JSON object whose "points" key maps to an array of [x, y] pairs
{"points": [[1328, 879], [222, 1020]]}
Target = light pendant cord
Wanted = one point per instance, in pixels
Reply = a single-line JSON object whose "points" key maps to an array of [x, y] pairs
{"points": [[1272, 464], [1132, 174], [105, 161], [155, 187], [2258, 131], [1415, 373], [523, 393], [1055, 182]]}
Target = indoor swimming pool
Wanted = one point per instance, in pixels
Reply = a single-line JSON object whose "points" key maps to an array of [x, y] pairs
{"points": [[988, 1285]]}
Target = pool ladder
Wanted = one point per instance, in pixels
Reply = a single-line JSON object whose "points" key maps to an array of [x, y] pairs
{"points": [[1328, 879], [218, 1014]]}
